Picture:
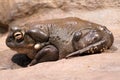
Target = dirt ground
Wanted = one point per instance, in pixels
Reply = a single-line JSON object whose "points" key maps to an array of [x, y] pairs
{"points": [[105, 66]]}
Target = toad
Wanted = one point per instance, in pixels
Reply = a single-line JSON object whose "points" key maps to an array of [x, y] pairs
{"points": [[55, 39]]}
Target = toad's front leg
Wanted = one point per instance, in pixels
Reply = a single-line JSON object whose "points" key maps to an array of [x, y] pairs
{"points": [[48, 53]]}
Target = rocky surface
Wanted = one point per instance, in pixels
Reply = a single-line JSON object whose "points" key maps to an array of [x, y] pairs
{"points": [[17, 9], [105, 66], [93, 67]]}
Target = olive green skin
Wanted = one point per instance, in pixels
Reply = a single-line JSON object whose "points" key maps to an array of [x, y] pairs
{"points": [[68, 35]]}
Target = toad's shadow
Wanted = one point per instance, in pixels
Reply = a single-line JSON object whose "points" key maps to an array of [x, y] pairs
{"points": [[21, 59]]}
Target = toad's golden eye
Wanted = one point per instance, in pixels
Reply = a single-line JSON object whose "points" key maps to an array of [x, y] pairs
{"points": [[18, 35]]}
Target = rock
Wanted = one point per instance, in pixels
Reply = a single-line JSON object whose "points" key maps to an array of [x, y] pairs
{"points": [[17, 9], [92, 67]]}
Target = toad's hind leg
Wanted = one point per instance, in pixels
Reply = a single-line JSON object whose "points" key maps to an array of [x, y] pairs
{"points": [[94, 48]]}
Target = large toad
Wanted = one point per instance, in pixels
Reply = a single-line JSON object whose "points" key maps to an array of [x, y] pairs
{"points": [[51, 40]]}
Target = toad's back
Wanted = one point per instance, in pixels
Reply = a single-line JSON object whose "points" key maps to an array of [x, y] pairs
{"points": [[61, 32]]}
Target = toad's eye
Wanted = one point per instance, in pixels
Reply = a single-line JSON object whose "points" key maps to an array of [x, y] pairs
{"points": [[18, 36]]}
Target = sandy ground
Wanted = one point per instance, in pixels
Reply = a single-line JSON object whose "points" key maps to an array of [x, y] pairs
{"points": [[105, 66]]}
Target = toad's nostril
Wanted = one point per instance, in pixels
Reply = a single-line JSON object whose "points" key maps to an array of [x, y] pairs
{"points": [[9, 39]]}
